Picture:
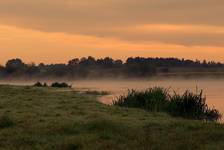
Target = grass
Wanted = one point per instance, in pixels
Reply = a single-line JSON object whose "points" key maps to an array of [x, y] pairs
{"points": [[188, 105], [152, 99], [193, 106], [6, 122], [54, 119]]}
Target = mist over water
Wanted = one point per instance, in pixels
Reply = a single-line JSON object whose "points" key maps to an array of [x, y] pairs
{"points": [[213, 89]]}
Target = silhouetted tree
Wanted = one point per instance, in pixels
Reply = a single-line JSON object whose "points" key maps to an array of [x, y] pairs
{"points": [[15, 65], [73, 62], [107, 67], [32, 69], [2, 71]]}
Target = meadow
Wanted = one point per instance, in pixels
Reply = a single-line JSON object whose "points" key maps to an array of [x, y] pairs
{"points": [[45, 118]]}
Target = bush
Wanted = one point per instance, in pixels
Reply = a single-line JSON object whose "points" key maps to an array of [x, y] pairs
{"points": [[39, 84], [188, 105], [60, 85]]}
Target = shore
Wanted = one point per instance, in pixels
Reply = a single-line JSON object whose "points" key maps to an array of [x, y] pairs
{"points": [[48, 118]]}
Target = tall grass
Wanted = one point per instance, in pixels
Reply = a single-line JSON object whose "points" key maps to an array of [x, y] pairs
{"points": [[187, 105], [153, 99]]}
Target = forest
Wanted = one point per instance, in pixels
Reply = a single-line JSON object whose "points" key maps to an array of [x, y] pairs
{"points": [[133, 67]]}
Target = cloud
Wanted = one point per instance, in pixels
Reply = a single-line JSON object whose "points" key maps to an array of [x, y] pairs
{"points": [[51, 47], [179, 22]]}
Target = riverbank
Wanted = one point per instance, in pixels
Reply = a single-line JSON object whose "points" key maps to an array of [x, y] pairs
{"points": [[51, 118]]}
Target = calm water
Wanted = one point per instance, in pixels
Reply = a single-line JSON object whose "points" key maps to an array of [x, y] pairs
{"points": [[213, 89]]}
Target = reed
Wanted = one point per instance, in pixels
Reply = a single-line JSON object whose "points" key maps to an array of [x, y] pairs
{"points": [[187, 105]]}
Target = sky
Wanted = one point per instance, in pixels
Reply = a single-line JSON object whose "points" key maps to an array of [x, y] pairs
{"points": [[54, 31]]}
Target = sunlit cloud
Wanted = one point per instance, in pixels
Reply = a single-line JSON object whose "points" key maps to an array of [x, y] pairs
{"points": [[38, 46], [56, 30]]}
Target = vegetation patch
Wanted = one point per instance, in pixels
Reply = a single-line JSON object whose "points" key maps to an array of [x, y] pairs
{"points": [[83, 123], [188, 105], [60, 85], [39, 84], [55, 85]]}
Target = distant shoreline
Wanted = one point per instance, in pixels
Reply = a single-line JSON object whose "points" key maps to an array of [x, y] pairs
{"points": [[91, 68]]}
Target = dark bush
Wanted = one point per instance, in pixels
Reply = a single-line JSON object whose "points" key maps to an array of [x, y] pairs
{"points": [[60, 85], [38, 84]]}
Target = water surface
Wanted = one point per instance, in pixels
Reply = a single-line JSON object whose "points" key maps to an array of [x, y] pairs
{"points": [[213, 89]]}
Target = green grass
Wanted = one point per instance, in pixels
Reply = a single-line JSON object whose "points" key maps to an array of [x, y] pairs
{"points": [[57, 119]]}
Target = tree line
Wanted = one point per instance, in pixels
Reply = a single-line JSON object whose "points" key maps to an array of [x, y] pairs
{"points": [[107, 67]]}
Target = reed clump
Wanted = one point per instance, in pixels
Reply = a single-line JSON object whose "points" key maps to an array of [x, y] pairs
{"points": [[187, 105]]}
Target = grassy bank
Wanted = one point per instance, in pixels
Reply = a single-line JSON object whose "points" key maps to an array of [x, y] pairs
{"points": [[61, 119]]}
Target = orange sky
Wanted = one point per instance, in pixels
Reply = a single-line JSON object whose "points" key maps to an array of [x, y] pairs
{"points": [[41, 32]]}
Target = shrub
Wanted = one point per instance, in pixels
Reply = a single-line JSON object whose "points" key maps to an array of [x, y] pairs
{"points": [[39, 84], [60, 85]]}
